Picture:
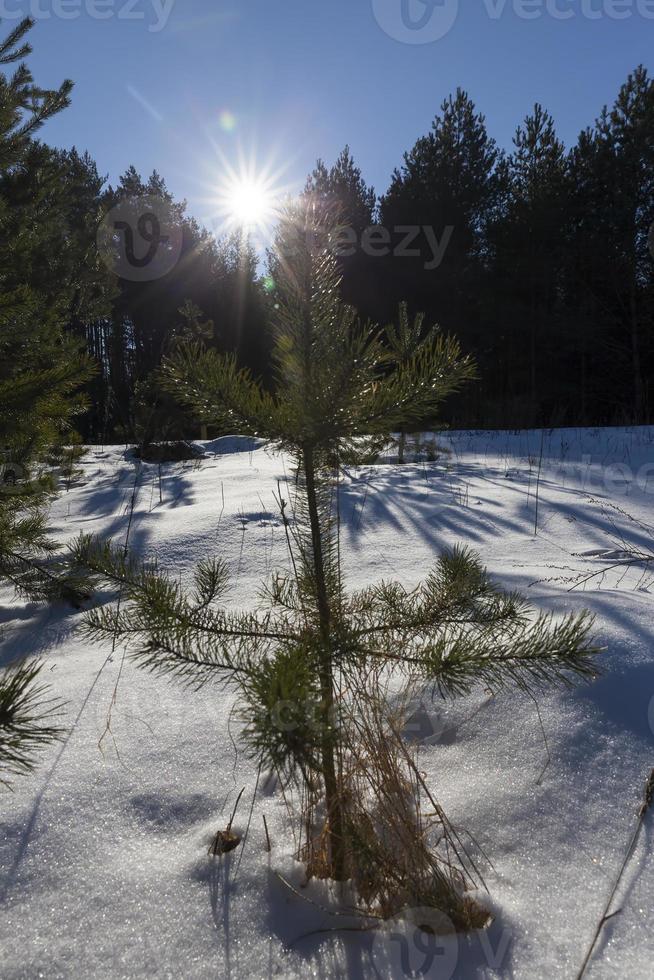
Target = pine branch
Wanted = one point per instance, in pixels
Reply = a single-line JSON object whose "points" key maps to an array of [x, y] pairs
{"points": [[24, 543], [171, 631], [8, 50], [26, 720], [546, 653], [457, 592]]}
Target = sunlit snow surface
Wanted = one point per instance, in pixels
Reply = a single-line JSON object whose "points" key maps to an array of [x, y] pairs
{"points": [[103, 852]]}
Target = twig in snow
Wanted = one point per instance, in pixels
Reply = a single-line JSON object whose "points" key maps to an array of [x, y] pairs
{"points": [[247, 829], [238, 800], [319, 932], [225, 840], [347, 912], [648, 800], [547, 748], [114, 696]]}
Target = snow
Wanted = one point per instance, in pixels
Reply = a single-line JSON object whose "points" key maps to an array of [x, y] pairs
{"points": [[103, 852]]}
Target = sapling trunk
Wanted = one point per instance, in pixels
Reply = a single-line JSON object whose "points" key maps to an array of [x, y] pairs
{"points": [[326, 675]]}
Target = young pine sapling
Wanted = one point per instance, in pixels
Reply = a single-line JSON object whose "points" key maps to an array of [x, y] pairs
{"points": [[314, 667]]}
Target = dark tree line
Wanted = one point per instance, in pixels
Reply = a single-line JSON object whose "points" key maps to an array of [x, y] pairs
{"points": [[214, 289], [538, 260], [545, 257]]}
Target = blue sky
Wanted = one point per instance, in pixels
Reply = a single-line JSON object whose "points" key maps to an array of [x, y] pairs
{"points": [[296, 79]]}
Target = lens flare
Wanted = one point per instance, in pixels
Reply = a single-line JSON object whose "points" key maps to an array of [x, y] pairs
{"points": [[227, 121]]}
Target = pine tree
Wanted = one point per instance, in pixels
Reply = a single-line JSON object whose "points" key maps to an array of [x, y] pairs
{"points": [[610, 278], [40, 366], [447, 191], [529, 242], [629, 131], [342, 188], [40, 371], [311, 666], [24, 107], [349, 206], [448, 179]]}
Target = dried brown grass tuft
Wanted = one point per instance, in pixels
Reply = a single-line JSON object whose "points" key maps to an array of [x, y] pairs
{"points": [[396, 856]]}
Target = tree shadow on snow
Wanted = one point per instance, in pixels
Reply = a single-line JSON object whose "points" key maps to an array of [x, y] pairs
{"points": [[422, 498], [328, 946]]}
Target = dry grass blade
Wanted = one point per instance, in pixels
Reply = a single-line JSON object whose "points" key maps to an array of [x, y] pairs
{"points": [[225, 840], [648, 800]]}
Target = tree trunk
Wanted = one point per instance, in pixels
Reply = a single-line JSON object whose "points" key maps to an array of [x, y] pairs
{"points": [[401, 446], [638, 402], [532, 361], [332, 795]]}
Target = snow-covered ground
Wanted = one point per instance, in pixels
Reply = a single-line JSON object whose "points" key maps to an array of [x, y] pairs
{"points": [[103, 856]]}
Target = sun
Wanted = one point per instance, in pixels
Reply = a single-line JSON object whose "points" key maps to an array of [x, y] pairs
{"points": [[247, 194], [249, 203]]}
